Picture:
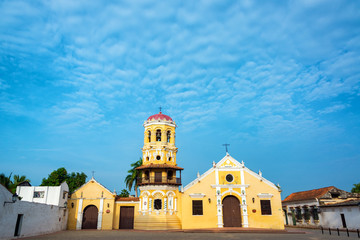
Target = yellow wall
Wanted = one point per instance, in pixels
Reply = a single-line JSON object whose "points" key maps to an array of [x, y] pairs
{"points": [[257, 220], [118, 205], [209, 217], [91, 193]]}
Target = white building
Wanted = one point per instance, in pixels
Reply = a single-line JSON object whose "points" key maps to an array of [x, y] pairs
{"points": [[50, 195], [303, 208], [341, 215], [24, 219]]}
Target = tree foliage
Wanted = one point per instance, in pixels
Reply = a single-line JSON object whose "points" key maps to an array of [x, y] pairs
{"points": [[12, 184], [124, 193], [356, 188], [131, 178], [74, 180]]}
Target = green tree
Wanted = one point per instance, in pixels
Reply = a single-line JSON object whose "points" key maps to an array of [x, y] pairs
{"points": [[124, 193], [17, 179], [356, 188], [131, 178], [74, 180], [5, 181]]}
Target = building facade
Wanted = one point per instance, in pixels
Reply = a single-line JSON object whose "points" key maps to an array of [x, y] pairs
{"points": [[227, 195], [307, 208]]}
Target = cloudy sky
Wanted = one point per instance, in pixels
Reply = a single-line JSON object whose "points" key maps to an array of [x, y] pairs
{"points": [[277, 80]]}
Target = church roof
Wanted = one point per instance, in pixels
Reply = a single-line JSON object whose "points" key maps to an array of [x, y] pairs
{"points": [[308, 195], [151, 165], [159, 116]]}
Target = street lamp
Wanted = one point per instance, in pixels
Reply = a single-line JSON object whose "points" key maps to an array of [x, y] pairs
{"points": [[13, 199]]}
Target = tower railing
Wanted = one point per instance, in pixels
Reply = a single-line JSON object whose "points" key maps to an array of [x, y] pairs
{"points": [[158, 181]]}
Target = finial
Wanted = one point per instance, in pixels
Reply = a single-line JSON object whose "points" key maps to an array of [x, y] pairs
{"points": [[214, 164], [226, 147], [198, 174], [92, 172], [160, 108]]}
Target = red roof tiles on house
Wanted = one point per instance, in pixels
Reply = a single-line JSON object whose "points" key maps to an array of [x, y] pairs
{"points": [[307, 195], [127, 199]]}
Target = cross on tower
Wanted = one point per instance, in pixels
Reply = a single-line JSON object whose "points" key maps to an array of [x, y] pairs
{"points": [[226, 146]]}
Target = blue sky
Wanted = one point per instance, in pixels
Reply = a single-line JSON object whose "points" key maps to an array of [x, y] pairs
{"points": [[278, 80]]}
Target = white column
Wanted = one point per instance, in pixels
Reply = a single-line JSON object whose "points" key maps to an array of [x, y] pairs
{"points": [[219, 208], [243, 204], [100, 213], [79, 215]]}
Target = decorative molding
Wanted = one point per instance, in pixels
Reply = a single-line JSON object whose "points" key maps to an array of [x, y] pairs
{"points": [[265, 195], [230, 185], [197, 195], [128, 202], [158, 187]]}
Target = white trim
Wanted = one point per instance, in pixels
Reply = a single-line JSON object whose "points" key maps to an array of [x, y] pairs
{"points": [[170, 192], [198, 179], [157, 187], [79, 215], [231, 192], [261, 178], [92, 179], [229, 185], [99, 223], [197, 195], [127, 202], [265, 195], [158, 191], [143, 193], [154, 122]]}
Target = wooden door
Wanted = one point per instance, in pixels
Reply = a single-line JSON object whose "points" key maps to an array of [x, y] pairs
{"points": [[231, 212], [158, 177], [126, 218], [90, 217]]}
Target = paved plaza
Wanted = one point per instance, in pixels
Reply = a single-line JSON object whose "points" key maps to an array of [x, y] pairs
{"points": [[160, 235]]}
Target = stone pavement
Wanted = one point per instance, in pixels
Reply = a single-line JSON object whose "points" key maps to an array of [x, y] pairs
{"points": [[297, 234]]}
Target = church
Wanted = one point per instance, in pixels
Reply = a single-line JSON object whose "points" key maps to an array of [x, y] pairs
{"points": [[227, 195]]}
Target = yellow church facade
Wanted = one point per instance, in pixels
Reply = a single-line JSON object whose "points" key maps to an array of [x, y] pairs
{"points": [[227, 195]]}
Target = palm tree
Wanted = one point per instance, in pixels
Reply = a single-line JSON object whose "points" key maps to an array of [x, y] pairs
{"points": [[131, 179], [6, 181], [17, 180]]}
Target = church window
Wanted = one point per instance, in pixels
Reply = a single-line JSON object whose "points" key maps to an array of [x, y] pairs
{"points": [[168, 135], [170, 174], [157, 204], [158, 135], [197, 207], [149, 136], [158, 157], [147, 159], [229, 178], [169, 159], [265, 207]]}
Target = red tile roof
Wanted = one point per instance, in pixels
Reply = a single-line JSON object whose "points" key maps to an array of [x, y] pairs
{"points": [[159, 116], [307, 195], [126, 199]]}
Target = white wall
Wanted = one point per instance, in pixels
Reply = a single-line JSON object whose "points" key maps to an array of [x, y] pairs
{"points": [[37, 218], [331, 217], [52, 195]]}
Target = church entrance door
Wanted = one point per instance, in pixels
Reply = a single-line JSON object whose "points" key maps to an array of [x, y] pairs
{"points": [[90, 217], [231, 212], [126, 218]]}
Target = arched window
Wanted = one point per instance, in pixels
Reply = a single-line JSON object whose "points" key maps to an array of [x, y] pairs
{"points": [[147, 159], [168, 135], [157, 204], [149, 136], [158, 135]]}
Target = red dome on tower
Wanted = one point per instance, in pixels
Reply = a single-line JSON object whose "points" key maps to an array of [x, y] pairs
{"points": [[160, 116]]}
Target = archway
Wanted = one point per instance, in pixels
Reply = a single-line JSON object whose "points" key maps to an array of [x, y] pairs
{"points": [[231, 212], [90, 217]]}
